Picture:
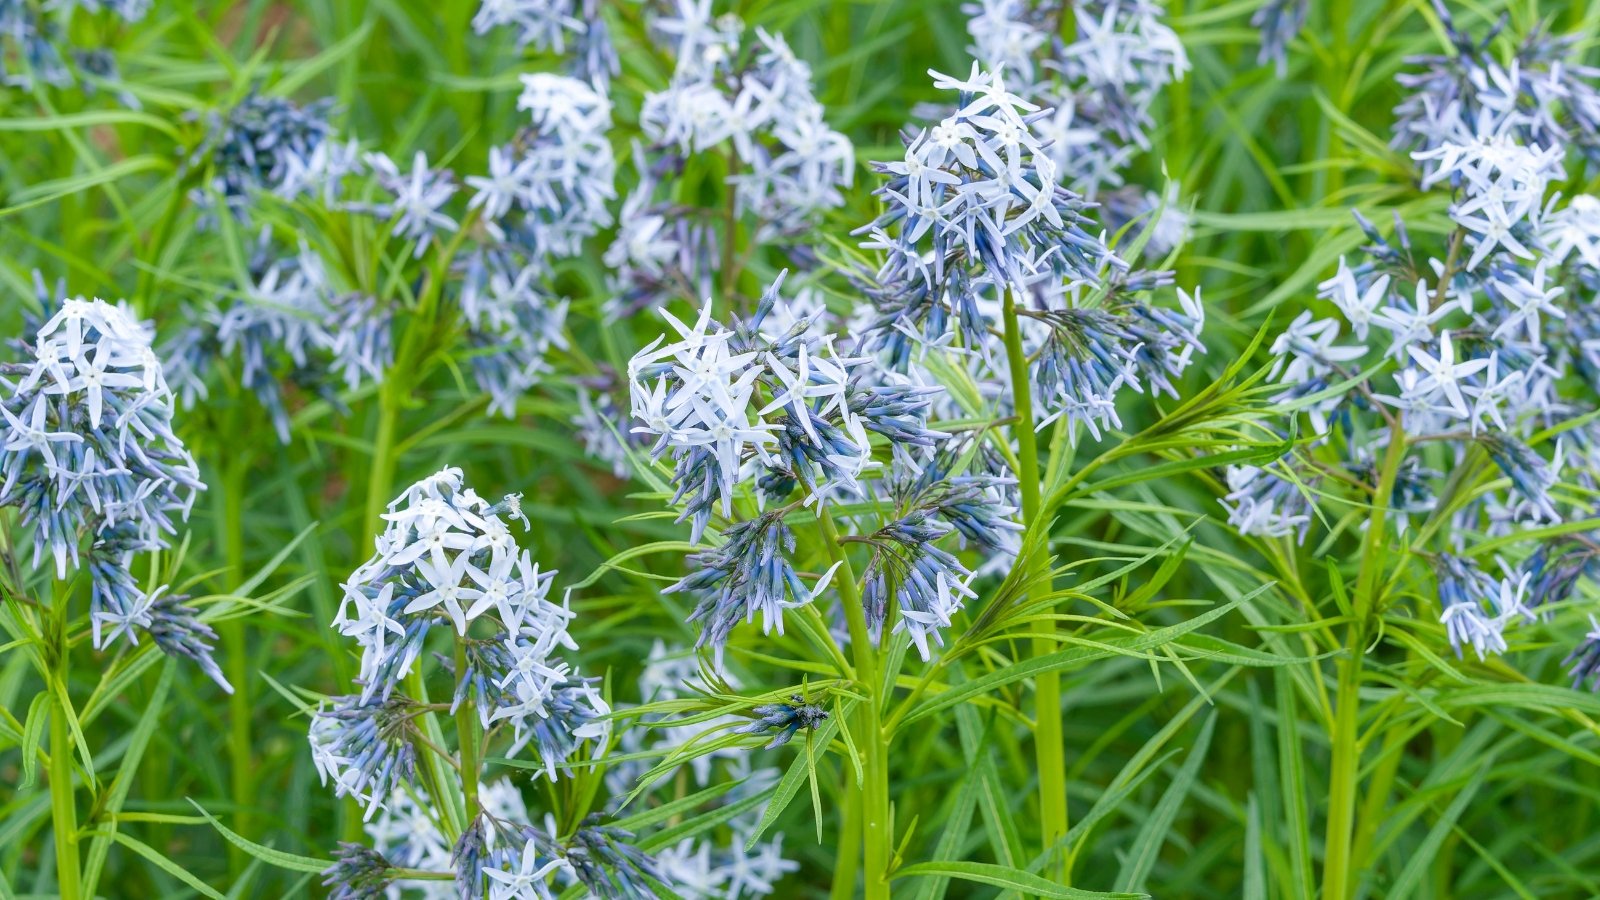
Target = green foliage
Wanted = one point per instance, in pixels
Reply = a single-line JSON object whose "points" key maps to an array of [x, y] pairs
{"points": [[1223, 697]]}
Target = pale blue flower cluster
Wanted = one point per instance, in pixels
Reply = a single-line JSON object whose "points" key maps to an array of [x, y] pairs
{"points": [[1099, 89], [755, 416], [414, 199], [790, 402], [572, 28], [1280, 22], [292, 327], [511, 328], [89, 458], [976, 210], [1465, 346], [745, 95], [262, 144], [448, 559], [34, 46], [547, 191], [503, 854]]}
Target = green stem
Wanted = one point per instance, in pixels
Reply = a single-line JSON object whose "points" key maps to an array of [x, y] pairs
{"points": [[876, 838], [1049, 745], [237, 658], [156, 248], [434, 772], [1342, 775], [63, 808], [1339, 869], [64, 814], [847, 856], [380, 480], [467, 739], [1377, 798]]}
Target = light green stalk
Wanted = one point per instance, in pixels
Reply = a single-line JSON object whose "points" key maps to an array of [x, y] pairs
{"points": [[236, 655], [1339, 865], [63, 808], [1049, 745], [467, 739], [380, 479], [847, 855], [877, 841]]}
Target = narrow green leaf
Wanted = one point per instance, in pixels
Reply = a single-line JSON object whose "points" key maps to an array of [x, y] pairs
{"points": [[33, 738], [954, 834], [316, 65], [1153, 835], [666, 837], [1255, 874], [641, 820], [1062, 659], [127, 769], [1004, 876], [265, 572], [161, 862], [1422, 858], [282, 860], [998, 819], [1292, 777]]}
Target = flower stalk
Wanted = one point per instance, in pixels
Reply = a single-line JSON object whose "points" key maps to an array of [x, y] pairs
{"points": [[63, 806], [1048, 741], [872, 797], [236, 653], [467, 738], [1339, 865]]}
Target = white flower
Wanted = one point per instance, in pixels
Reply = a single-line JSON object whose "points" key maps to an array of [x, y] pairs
{"points": [[1442, 374], [416, 198], [1414, 326], [1306, 350], [528, 881], [1466, 623], [1493, 230], [1360, 307], [445, 553], [1575, 229], [1528, 300], [559, 104], [1001, 38], [541, 23]]}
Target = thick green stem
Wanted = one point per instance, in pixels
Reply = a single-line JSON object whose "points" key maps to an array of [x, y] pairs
{"points": [[1339, 870], [63, 812], [1049, 744], [1377, 798], [467, 740], [380, 479], [847, 855], [877, 841], [380, 476], [63, 808], [236, 657], [1342, 775]]}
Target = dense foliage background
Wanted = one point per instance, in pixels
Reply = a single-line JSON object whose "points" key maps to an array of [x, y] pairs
{"points": [[1204, 767]]}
